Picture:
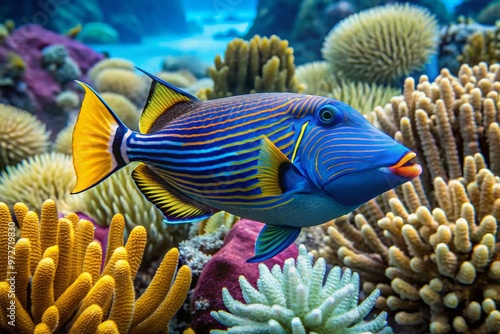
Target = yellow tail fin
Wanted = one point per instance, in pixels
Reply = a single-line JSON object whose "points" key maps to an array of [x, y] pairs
{"points": [[96, 141]]}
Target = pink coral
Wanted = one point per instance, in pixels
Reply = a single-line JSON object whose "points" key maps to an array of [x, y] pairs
{"points": [[223, 270]]}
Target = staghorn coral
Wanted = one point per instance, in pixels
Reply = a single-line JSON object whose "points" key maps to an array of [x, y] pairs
{"points": [[482, 46], [59, 263], [317, 79], [296, 300], [107, 63], [22, 135], [436, 265], [259, 65], [362, 46], [118, 193], [49, 175]]}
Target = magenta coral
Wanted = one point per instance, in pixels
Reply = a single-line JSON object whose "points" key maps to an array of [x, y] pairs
{"points": [[223, 270]]}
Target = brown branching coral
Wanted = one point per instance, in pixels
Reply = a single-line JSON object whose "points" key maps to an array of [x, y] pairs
{"points": [[482, 46], [259, 65], [435, 267], [57, 261], [448, 119]]}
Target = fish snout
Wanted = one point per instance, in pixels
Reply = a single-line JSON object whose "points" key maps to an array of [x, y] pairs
{"points": [[406, 168]]}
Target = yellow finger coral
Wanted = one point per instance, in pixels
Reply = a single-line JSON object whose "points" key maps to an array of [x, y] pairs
{"points": [[381, 44], [89, 302], [22, 135], [255, 66], [118, 193]]}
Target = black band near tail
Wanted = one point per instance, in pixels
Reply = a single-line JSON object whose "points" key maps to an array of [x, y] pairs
{"points": [[117, 144]]}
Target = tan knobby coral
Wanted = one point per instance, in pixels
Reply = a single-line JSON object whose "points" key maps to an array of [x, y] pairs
{"points": [[435, 261]]}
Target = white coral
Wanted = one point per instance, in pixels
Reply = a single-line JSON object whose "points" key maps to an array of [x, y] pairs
{"points": [[295, 300]]}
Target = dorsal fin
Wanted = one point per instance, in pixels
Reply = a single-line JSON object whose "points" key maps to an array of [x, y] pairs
{"points": [[162, 96]]}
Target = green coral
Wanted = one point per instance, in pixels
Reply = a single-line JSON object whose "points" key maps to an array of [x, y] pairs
{"points": [[381, 44], [259, 65], [295, 300]]}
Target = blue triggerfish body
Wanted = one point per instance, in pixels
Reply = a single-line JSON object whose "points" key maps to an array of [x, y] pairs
{"points": [[287, 160]]}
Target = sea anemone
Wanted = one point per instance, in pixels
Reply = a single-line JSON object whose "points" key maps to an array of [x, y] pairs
{"points": [[381, 44], [22, 135]]}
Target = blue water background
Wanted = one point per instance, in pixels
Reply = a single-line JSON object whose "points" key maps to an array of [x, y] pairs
{"points": [[210, 16]]}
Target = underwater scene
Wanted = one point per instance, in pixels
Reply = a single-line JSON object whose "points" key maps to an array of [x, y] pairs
{"points": [[249, 167]]}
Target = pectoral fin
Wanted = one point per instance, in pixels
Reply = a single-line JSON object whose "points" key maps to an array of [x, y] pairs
{"points": [[277, 174], [175, 206], [272, 240]]}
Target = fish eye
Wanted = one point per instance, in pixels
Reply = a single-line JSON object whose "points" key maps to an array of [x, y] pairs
{"points": [[327, 114]]}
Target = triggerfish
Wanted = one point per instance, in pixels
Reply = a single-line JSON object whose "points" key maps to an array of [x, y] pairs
{"points": [[283, 159]]}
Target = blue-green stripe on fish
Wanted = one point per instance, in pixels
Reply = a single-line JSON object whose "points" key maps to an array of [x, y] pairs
{"points": [[287, 160]]}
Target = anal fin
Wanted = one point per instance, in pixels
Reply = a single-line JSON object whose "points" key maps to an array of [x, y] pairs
{"points": [[176, 207], [272, 240]]}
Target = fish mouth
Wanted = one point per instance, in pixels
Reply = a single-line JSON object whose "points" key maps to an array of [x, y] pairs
{"points": [[405, 167]]}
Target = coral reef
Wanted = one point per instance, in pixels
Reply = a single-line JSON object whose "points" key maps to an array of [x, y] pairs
{"points": [[21, 136], [107, 63], [446, 120], [482, 46], [98, 33], [361, 47], [299, 299], [430, 245], [118, 193], [39, 87], [437, 268], [316, 78], [259, 65], [64, 140], [60, 284], [228, 263], [189, 63], [48, 175], [122, 82], [181, 79], [56, 60], [126, 111]]}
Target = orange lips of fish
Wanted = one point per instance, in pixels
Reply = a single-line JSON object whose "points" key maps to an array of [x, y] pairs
{"points": [[405, 168]]}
